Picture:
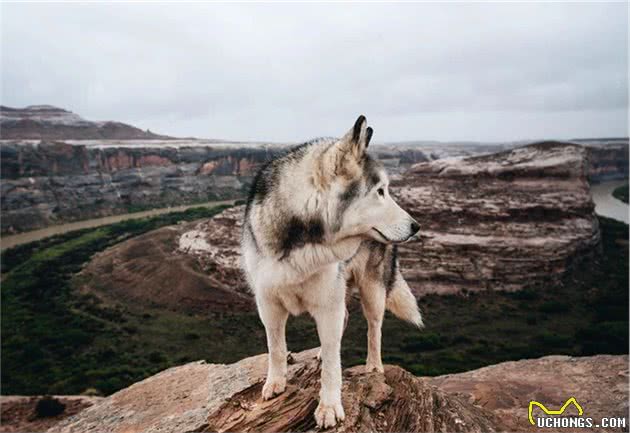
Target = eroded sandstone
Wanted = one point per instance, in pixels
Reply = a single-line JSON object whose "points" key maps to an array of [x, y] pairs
{"points": [[55, 178], [216, 397], [51, 182], [191, 267], [598, 383], [208, 397], [498, 222]]}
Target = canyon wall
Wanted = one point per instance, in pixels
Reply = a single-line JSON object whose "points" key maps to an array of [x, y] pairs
{"points": [[498, 222], [501, 222], [49, 182], [608, 161], [58, 167], [46, 182]]}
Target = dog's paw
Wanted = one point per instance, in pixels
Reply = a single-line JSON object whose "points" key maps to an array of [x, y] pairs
{"points": [[370, 367], [326, 416], [273, 387]]}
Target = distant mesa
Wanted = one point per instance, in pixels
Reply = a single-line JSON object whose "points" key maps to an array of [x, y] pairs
{"points": [[47, 122]]}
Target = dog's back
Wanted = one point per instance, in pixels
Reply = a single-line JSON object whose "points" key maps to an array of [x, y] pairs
{"points": [[272, 225]]}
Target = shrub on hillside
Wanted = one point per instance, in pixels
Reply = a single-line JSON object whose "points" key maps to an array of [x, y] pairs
{"points": [[48, 406]]}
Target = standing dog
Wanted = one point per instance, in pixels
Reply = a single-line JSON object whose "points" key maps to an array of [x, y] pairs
{"points": [[319, 219]]}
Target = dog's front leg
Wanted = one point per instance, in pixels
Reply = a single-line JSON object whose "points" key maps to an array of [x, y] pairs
{"points": [[330, 323], [274, 317]]}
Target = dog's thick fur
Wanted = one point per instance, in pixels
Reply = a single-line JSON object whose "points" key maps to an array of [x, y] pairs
{"points": [[320, 220]]}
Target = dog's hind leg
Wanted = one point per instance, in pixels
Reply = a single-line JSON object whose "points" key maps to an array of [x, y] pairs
{"points": [[373, 303], [274, 317], [402, 302]]}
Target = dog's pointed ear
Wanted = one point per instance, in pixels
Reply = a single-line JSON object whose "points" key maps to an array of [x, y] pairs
{"points": [[357, 139], [368, 137]]}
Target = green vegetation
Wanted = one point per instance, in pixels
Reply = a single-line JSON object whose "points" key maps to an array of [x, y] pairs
{"points": [[57, 340], [51, 335], [621, 193]]}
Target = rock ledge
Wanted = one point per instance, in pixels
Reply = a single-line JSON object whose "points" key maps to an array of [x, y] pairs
{"points": [[201, 397]]}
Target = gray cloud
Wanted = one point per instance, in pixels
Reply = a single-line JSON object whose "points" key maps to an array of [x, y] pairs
{"points": [[286, 72]]}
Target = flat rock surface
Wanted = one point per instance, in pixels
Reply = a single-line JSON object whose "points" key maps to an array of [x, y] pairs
{"points": [[216, 397]]}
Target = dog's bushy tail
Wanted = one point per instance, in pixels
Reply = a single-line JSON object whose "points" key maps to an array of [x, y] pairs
{"points": [[403, 304]]}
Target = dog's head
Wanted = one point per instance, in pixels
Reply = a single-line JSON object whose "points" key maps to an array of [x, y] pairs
{"points": [[360, 202]]}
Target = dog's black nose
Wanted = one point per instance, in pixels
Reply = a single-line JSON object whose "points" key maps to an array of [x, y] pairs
{"points": [[415, 227]]}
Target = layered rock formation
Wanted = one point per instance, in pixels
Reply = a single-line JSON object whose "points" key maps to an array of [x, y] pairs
{"points": [[500, 221], [204, 397], [608, 159], [57, 167], [497, 222], [53, 123], [49, 182]]}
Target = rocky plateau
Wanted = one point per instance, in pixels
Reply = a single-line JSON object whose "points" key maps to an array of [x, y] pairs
{"points": [[53, 123]]}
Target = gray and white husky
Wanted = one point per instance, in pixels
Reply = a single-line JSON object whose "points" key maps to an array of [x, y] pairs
{"points": [[320, 220]]}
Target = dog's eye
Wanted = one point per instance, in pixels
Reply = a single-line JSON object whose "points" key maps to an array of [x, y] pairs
{"points": [[381, 192]]}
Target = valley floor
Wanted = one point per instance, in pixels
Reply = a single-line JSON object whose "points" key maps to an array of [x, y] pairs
{"points": [[58, 341], [10, 241]]}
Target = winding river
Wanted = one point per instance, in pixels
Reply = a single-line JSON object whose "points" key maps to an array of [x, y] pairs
{"points": [[607, 205], [35, 235]]}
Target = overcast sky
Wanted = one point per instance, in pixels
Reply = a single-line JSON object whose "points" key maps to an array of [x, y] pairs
{"points": [[289, 72]]}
